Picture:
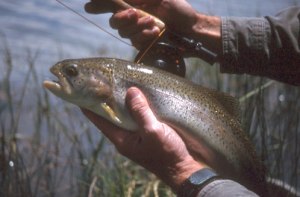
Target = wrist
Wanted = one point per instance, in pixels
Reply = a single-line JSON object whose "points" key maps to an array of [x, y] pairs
{"points": [[196, 182], [207, 30], [182, 171]]}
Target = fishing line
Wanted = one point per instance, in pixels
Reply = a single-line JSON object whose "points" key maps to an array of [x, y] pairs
{"points": [[150, 46], [92, 22]]}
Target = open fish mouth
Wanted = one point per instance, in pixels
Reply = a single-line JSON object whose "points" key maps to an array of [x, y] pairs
{"points": [[55, 85], [59, 86]]}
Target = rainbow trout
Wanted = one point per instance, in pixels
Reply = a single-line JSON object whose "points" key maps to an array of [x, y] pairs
{"points": [[207, 120]]}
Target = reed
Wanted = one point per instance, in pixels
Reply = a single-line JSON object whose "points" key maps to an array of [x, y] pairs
{"points": [[48, 148]]}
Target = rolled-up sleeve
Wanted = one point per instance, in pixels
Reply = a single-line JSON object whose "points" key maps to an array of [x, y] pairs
{"points": [[267, 46]]}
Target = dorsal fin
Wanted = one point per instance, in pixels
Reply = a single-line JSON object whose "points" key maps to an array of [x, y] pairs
{"points": [[230, 103]]}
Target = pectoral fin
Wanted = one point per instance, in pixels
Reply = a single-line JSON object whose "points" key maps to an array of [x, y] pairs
{"points": [[112, 114]]}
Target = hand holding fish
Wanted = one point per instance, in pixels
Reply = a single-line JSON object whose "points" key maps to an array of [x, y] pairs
{"points": [[157, 147]]}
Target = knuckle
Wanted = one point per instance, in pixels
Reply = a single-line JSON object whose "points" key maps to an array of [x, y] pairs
{"points": [[153, 128]]}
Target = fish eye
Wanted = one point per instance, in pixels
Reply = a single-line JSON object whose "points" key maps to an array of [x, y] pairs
{"points": [[71, 70]]}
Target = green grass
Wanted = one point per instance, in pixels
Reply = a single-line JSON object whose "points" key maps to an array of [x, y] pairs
{"points": [[48, 148]]}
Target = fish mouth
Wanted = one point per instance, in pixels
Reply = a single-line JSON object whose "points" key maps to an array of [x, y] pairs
{"points": [[60, 87]]}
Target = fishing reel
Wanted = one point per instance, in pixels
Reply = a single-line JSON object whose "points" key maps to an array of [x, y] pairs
{"points": [[169, 51], [164, 56]]}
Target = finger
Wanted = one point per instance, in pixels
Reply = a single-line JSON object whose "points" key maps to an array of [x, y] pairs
{"points": [[142, 39], [140, 109], [123, 18], [143, 24], [115, 134]]}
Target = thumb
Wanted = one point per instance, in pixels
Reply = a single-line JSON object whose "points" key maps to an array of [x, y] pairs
{"points": [[139, 107]]}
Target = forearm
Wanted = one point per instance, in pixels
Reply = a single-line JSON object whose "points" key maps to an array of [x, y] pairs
{"points": [[207, 30], [265, 46]]}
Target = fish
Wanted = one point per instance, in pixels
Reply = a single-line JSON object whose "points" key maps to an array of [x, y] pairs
{"points": [[207, 120]]}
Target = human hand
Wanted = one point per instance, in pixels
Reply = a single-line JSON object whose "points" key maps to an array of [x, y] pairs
{"points": [[178, 15], [156, 146], [141, 29]]}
